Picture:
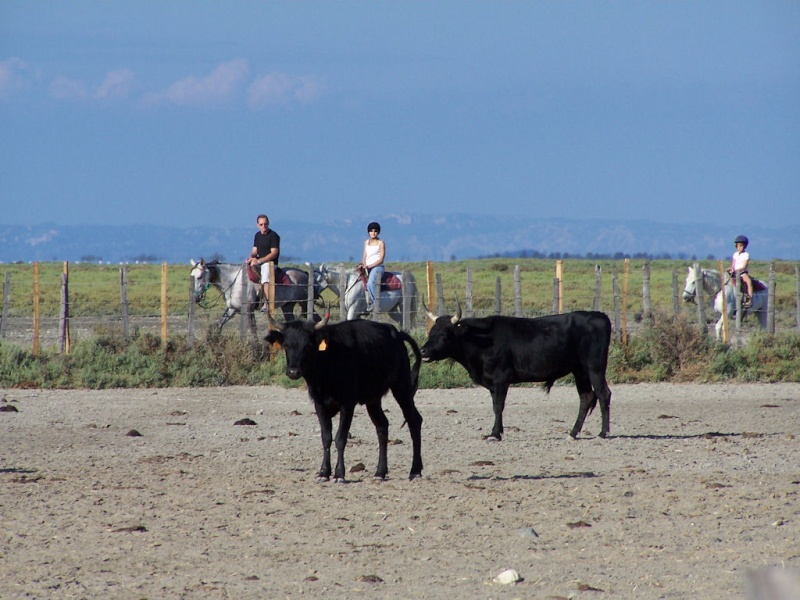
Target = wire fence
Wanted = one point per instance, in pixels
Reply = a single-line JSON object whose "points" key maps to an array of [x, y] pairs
{"points": [[54, 305]]}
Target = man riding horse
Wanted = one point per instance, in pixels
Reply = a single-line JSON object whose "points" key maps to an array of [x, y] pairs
{"points": [[266, 248]]}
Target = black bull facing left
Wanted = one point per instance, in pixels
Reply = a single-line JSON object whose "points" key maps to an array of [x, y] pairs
{"points": [[499, 351], [349, 363]]}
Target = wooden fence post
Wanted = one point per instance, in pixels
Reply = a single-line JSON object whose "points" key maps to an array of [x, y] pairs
{"points": [[647, 308], [617, 322], [797, 295], [163, 303], [626, 270], [36, 321], [598, 281], [440, 294], [430, 285], [725, 322], [63, 321], [498, 301], [560, 277], [771, 300], [243, 308], [6, 305], [190, 325], [342, 293], [556, 296], [310, 306], [737, 295], [700, 297], [272, 284], [517, 292], [676, 307], [407, 317], [469, 308], [123, 294]]}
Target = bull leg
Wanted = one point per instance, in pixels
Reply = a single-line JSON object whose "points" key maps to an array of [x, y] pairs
{"points": [[345, 420], [499, 393], [382, 429], [414, 420], [604, 394], [326, 432], [588, 401]]}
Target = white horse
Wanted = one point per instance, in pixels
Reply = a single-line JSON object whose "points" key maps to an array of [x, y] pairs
{"points": [[227, 278], [711, 284], [759, 306], [353, 294]]}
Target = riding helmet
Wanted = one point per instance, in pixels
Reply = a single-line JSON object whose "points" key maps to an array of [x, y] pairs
{"points": [[741, 239], [374, 225]]}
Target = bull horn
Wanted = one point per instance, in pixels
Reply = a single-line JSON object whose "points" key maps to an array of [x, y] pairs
{"points": [[456, 317], [324, 321], [273, 323], [431, 316]]}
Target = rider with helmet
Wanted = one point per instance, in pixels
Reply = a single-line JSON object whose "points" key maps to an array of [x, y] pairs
{"points": [[741, 258], [372, 261]]}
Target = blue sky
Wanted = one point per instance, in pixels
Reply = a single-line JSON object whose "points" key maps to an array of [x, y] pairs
{"points": [[201, 113]]}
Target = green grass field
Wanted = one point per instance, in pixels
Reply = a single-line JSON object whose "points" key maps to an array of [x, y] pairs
{"points": [[94, 290]]}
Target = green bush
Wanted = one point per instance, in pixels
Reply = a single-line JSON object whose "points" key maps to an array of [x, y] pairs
{"points": [[666, 349]]}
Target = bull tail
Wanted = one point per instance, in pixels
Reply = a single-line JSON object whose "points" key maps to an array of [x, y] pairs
{"points": [[417, 362]]}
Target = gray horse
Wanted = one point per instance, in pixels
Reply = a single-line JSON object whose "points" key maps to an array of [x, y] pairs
{"points": [[291, 288], [353, 293]]}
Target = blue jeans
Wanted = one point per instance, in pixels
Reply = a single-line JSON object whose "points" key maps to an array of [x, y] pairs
{"points": [[375, 275]]}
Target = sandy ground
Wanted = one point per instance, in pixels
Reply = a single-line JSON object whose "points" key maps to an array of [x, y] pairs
{"points": [[696, 488]]}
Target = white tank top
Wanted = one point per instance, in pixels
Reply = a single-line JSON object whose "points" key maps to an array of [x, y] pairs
{"points": [[373, 253]]}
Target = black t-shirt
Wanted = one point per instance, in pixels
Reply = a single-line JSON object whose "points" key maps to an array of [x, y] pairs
{"points": [[265, 242]]}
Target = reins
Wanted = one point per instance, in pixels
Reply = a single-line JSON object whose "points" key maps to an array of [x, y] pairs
{"points": [[223, 292]]}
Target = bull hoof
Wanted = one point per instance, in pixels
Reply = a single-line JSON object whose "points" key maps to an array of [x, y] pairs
{"points": [[323, 479], [414, 476], [493, 438], [604, 434], [574, 434], [339, 480]]}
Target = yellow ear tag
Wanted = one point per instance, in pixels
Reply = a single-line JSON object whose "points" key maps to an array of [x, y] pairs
{"points": [[322, 346]]}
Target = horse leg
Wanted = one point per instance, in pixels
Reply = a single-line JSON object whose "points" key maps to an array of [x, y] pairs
{"points": [[226, 316]]}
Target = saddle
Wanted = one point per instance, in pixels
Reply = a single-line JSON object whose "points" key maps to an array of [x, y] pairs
{"points": [[281, 278], [389, 281]]}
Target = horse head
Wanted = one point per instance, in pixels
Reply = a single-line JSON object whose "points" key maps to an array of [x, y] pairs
{"points": [[200, 273], [323, 279], [690, 287]]}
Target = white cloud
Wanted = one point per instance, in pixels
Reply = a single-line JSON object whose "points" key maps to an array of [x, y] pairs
{"points": [[63, 88], [276, 88], [117, 84], [215, 88], [11, 75]]}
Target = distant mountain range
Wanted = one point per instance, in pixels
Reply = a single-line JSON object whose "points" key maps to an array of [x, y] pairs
{"points": [[408, 238]]}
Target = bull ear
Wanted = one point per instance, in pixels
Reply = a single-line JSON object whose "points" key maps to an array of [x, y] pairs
{"points": [[431, 316], [274, 336], [456, 317]]}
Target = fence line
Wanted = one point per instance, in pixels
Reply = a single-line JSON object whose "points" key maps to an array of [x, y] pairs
{"points": [[572, 290]]}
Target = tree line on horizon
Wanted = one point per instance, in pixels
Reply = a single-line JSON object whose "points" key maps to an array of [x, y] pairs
{"points": [[593, 255]]}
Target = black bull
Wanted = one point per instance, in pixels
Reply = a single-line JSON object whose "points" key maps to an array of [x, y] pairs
{"points": [[499, 351], [349, 363]]}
